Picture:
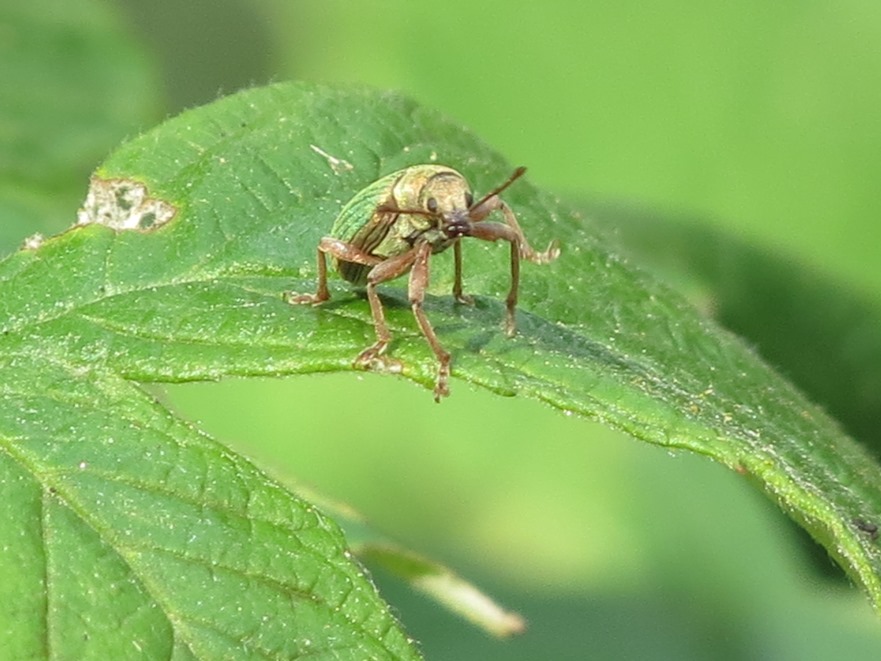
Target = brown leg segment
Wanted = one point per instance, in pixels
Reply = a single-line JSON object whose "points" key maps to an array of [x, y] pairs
{"points": [[457, 282], [520, 249], [526, 250], [513, 293], [383, 271], [321, 294], [347, 252], [336, 248], [495, 203], [491, 231], [416, 291]]}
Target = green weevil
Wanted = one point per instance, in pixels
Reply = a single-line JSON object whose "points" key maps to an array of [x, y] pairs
{"points": [[394, 225]]}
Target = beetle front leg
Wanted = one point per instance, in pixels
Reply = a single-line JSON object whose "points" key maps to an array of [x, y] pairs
{"points": [[457, 281], [416, 292], [495, 203], [336, 248], [385, 270], [498, 231]]}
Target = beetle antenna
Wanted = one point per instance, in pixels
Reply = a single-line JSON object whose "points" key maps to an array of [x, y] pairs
{"points": [[388, 208], [519, 172]]}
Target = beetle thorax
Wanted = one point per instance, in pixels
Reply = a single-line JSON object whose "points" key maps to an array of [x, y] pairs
{"points": [[443, 194], [448, 189]]}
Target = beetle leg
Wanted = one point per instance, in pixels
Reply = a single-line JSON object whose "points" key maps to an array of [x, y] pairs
{"points": [[526, 251], [321, 294], [347, 252], [340, 250], [416, 292], [388, 269], [491, 231], [495, 203], [457, 282]]}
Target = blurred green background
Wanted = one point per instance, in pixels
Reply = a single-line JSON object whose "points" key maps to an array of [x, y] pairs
{"points": [[759, 120]]}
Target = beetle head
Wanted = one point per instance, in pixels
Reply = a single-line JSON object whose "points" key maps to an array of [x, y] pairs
{"points": [[445, 198]]}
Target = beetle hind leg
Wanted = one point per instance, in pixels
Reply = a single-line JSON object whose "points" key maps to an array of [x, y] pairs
{"points": [[321, 294], [373, 357], [340, 250]]}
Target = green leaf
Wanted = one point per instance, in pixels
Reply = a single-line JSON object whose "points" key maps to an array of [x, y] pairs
{"points": [[224, 206], [133, 531], [815, 328]]}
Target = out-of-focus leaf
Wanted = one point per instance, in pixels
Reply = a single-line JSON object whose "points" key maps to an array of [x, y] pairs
{"points": [[74, 82]]}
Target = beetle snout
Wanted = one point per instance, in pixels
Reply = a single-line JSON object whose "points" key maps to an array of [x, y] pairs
{"points": [[457, 224]]}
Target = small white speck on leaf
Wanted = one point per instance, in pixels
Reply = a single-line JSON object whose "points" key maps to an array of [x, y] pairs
{"points": [[338, 165], [123, 204]]}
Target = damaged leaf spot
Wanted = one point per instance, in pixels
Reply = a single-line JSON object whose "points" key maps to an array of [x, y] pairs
{"points": [[33, 242], [123, 204]]}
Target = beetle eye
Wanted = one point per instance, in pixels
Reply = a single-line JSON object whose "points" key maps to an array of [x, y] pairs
{"points": [[469, 199], [431, 205]]}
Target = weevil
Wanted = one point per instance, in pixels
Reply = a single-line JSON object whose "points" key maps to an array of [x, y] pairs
{"points": [[394, 226]]}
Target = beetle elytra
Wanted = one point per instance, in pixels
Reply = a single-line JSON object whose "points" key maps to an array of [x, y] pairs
{"points": [[394, 225]]}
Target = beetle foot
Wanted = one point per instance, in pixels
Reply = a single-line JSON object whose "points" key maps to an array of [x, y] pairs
{"points": [[510, 325], [545, 257], [464, 299], [373, 358], [440, 387]]}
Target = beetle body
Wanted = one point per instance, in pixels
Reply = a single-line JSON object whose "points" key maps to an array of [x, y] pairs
{"points": [[394, 225], [371, 222]]}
